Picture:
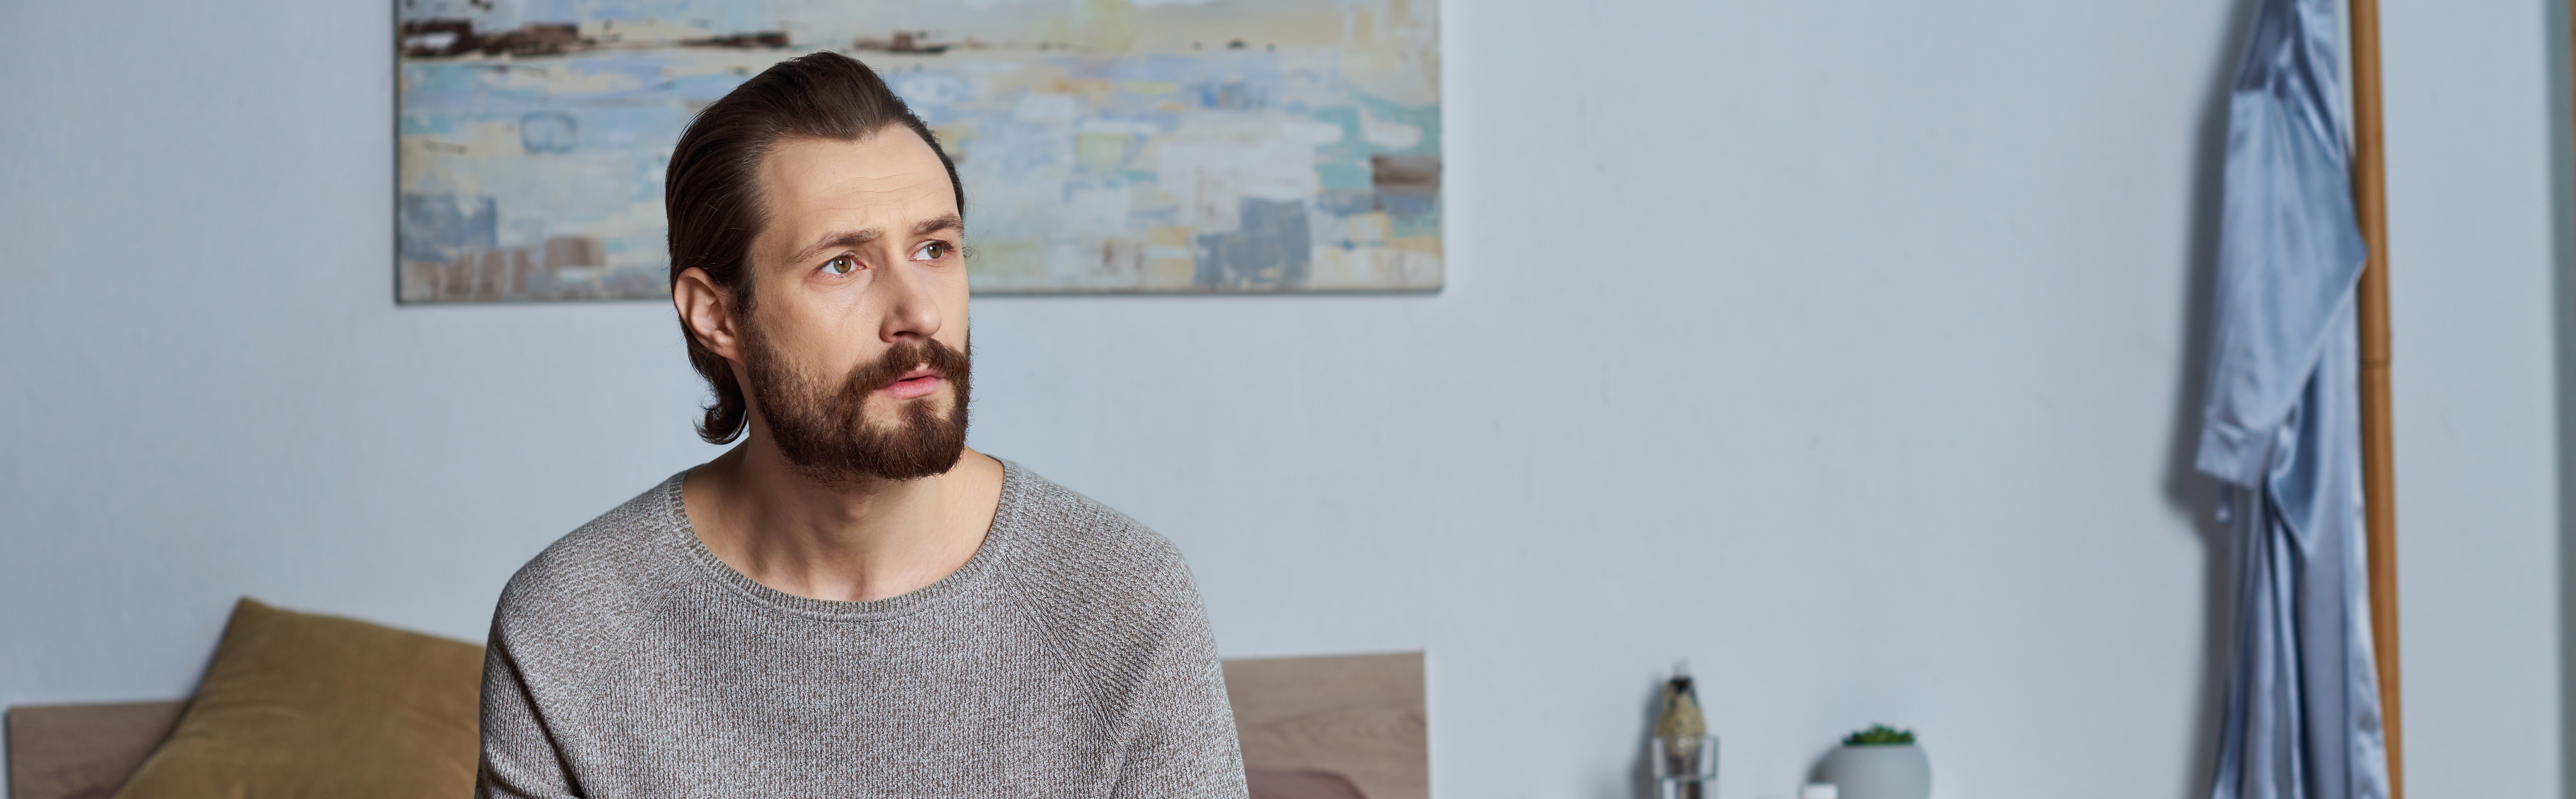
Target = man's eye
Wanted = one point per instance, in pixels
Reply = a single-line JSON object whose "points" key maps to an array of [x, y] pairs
{"points": [[841, 266], [931, 252]]}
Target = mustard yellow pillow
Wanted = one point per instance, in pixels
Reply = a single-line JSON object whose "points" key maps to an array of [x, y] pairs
{"points": [[300, 705]]}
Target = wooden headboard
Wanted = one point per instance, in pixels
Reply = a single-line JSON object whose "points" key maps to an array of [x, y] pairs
{"points": [[83, 751], [1359, 716]]}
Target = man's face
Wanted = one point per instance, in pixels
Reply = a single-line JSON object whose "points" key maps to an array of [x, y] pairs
{"points": [[854, 347]]}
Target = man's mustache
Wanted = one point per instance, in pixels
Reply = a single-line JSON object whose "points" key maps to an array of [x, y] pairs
{"points": [[903, 357]]}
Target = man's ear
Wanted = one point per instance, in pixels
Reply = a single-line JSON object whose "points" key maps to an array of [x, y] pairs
{"points": [[708, 311]]}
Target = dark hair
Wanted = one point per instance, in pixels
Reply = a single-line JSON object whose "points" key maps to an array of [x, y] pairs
{"points": [[711, 191]]}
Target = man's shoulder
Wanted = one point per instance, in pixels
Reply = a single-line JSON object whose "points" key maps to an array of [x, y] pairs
{"points": [[1113, 597], [596, 565], [1077, 542]]}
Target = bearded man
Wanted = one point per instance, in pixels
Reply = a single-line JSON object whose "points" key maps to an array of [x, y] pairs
{"points": [[849, 602]]}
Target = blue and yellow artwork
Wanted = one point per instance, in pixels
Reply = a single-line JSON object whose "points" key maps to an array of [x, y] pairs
{"points": [[1106, 145]]}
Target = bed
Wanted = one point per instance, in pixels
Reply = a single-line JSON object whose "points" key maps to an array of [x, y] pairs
{"points": [[1330, 727]]}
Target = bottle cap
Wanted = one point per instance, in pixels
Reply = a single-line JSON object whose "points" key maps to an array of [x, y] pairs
{"points": [[1820, 790]]}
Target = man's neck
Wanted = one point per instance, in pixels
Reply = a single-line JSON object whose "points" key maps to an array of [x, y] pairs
{"points": [[873, 540]]}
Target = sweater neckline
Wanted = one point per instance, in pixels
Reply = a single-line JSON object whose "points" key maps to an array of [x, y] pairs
{"points": [[966, 578]]}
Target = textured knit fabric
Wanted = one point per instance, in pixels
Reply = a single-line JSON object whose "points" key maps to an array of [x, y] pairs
{"points": [[1069, 657]]}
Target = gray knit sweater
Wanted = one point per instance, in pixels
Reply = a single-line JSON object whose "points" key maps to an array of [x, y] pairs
{"points": [[1068, 658]]}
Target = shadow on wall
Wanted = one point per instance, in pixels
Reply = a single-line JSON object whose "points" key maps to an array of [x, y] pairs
{"points": [[2560, 73], [1641, 772], [2185, 487]]}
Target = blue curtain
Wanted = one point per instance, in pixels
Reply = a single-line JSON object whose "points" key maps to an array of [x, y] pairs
{"points": [[2282, 427]]}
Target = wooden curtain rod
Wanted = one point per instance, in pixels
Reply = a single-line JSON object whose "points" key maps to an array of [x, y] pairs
{"points": [[2378, 447]]}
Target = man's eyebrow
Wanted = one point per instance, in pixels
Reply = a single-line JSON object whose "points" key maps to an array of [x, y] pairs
{"points": [[938, 223], [854, 238], [847, 238]]}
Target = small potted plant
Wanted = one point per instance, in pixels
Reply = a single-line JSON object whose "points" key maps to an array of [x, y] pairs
{"points": [[1881, 762]]}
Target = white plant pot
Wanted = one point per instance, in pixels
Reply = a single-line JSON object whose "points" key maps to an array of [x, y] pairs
{"points": [[1879, 771]]}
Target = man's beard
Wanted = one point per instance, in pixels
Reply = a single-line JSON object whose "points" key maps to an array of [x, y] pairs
{"points": [[824, 431]]}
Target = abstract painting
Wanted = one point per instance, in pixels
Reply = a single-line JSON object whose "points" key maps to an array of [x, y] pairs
{"points": [[1105, 145]]}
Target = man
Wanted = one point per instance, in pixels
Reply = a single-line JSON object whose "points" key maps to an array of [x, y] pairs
{"points": [[850, 602]]}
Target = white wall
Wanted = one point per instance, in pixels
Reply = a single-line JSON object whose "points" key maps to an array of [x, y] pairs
{"points": [[1841, 350], [2475, 106]]}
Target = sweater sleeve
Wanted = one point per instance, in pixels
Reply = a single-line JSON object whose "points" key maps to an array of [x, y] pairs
{"points": [[1178, 728], [1117, 603], [520, 759]]}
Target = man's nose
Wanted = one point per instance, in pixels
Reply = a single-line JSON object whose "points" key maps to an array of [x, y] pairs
{"points": [[910, 311]]}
